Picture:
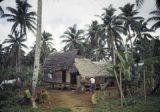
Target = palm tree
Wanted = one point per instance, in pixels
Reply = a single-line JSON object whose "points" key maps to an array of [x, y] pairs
{"points": [[142, 31], [95, 42], [16, 43], [113, 28], [93, 35], [130, 20], [100, 53], [46, 39], [73, 38], [156, 18], [140, 2], [46, 45], [37, 50], [21, 17]]}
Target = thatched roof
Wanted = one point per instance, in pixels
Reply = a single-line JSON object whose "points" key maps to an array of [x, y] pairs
{"points": [[87, 68], [60, 61]]}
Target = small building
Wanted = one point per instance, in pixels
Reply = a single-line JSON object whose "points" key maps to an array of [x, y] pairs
{"points": [[69, 68]]}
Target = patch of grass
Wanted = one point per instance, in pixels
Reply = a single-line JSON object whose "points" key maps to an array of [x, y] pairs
{"points": [[136, 104], [61, 109]]}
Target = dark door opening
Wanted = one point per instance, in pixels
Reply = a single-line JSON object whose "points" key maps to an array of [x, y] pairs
{"points": [[73, 78], [63, 76]]}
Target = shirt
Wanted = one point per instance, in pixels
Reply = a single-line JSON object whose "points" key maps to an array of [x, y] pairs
{"points": [[92, 80]]}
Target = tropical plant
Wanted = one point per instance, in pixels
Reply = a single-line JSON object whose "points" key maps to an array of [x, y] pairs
{"points": [[113, 27], [21, 17], [46, 45], [124, 70], [96, 40], [73, 38], [93, 35], [130, 18], [16, 43]]}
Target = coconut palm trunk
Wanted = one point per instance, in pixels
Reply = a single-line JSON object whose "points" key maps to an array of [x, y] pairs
{"points": [[19, 59], [38, 48], [144, 83], [121, 92], [112, 47]]}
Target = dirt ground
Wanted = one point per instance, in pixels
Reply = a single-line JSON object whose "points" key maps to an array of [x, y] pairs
{"points": [[77, 102]]}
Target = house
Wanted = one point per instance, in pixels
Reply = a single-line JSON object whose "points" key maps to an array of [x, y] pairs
{"points": [[70, 68]]}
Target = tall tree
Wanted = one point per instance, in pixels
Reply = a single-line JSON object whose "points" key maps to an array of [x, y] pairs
{"points": [[37, 50], [73, 38], [16, 43], [113, 27], [130, 18], [46, 45], [93, 35], [21, 17], [96, 40]]}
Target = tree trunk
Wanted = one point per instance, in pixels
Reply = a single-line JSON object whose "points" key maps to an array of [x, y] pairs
{"points": [[144, 83], [19, 59], [113, 47], [38, 48], [119, 87], [121, 92], [16, 63]]}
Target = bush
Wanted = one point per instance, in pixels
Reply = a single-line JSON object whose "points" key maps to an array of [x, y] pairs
{"points": [[42, 96]]}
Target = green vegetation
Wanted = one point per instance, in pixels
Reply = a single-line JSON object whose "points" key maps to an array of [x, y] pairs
{"points": [[61, 109], [136, 104]]}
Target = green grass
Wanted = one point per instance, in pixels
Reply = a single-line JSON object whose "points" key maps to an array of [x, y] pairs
{"points": [[61, 109], [133, 105]]}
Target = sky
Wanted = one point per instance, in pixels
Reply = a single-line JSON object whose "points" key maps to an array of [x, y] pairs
{"points": [[58, 15]]}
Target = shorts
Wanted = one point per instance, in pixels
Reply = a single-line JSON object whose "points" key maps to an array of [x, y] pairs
{"points": [[93, 87]]}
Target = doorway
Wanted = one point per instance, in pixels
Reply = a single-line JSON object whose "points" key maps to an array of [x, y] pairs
{"points": [[64, 76], [73, 78]]}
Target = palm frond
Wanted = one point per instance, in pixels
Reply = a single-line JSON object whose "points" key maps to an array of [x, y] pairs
{"points": [[139, 3], [12, 10], [154, 18], [156, 25], [1, 11]]}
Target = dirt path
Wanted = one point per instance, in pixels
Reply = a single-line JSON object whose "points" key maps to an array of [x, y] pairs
{"points": [[77, 102]]}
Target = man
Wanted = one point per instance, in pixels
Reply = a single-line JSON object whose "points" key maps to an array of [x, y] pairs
{"points": [[92, 85]]}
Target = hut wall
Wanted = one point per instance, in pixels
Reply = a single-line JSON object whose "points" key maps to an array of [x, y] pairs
{"points": [[68, 78], [57, 77]]}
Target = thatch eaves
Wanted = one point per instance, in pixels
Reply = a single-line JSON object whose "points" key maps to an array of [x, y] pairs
{"points": [[60, 61], [87, 68]]}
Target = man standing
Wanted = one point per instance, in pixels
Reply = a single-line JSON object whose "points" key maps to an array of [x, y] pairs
{"points": [[92, 84]]}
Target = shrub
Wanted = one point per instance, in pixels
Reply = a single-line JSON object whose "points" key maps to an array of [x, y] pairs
{"points": [[42, 96]]}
